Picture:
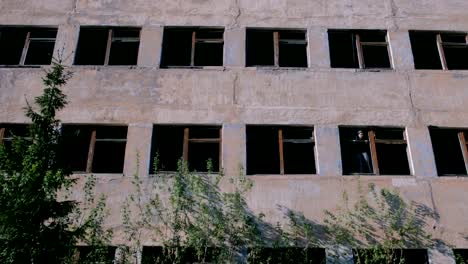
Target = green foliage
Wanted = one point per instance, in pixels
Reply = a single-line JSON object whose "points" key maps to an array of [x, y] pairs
{"points": [[34, 226], [37, 223], [378, 225]]}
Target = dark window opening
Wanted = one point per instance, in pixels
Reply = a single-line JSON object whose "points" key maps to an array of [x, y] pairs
{"points": [[435, 50], [108, 46], [379, 151], [26, 46], [413, 256], [461, 255], [89, 255], [197, 145], [280, 150], [189, 47], [450, 151], [95, 149], [152, 255], [362, 49], [9, 131], [425, 51], [287, 255], [283, 48]]}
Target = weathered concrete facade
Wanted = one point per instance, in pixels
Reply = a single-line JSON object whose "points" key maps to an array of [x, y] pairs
{"points": [[235, 96]]}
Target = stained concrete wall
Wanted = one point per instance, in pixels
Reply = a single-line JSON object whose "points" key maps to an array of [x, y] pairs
{"points": [[234, 95]]}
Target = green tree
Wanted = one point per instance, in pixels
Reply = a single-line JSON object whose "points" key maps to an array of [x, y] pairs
{"points": [[36, 225]]}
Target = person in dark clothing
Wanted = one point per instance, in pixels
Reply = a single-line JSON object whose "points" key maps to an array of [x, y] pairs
{"points": [[362, 157]]}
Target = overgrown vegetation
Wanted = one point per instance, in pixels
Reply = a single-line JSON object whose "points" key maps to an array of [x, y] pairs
{"points": [[37, 224]]}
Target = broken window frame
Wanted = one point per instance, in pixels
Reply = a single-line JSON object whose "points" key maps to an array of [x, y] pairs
{"points": [[186, 140], [441, 45], [373, 141], [194, 43], [462, 135], [3, 129], [282, 140], [276, 46], [27, 43], [360, 54], [111, 39], [92, 147]]}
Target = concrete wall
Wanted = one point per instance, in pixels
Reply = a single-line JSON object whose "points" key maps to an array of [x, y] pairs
{"points": [[234, 95]]}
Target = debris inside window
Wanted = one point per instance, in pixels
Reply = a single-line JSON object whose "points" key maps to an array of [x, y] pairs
{"points": [[26, 46], [362, 49], [108, 46], [280, 150], [374, 151], [95, 149], [197, 145], [450, 151], [191, 47], [276, 48]]}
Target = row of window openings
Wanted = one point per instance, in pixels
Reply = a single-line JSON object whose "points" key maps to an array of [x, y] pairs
{"points": [[270, 149], [273, 255], [192, 47]]}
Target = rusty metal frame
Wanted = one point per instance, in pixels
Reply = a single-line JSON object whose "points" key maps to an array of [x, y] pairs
{"points": [[187, 140], [464, 148], [359, 47], [282, 140]]}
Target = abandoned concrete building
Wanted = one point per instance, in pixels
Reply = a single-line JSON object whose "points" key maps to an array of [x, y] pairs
{"points": [[308, 97]]}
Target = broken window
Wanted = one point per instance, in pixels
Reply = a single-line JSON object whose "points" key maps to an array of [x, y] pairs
{"points": [[360, 49], [461, 255], [151, 255], [413, 256], [95, 149], [108, 46], [196, 145], [26, 46], [190, 47], [90, 254], [9, 131], [439, 51], [280, 150], [287, 255], [276, 48], [450, 150], [374, 151]]}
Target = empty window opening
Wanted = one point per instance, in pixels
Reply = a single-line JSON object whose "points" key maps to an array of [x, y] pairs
{"points": [[89, 254], [450, 151], [287, 255], [461, 255], [280, 150], [374, 151], [413, 256], [190, 47], [151, 255], [108, 46], [435, 50], [277, 48], [95, 149], [9, 131], [26, 46], [361, 49], [196, 145]]}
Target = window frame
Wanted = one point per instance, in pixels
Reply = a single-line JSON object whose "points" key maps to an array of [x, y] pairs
{"points": [[360, 54], [441, 45], [194, 43], [111, 39], [373, 141], [187, 140], [27, 43], [276, 46], [462, 135], [92, 145]]}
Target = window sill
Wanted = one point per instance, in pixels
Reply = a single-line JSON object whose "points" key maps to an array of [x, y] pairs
{"points": [[193, 67], [23, 66], [273, 68]]}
